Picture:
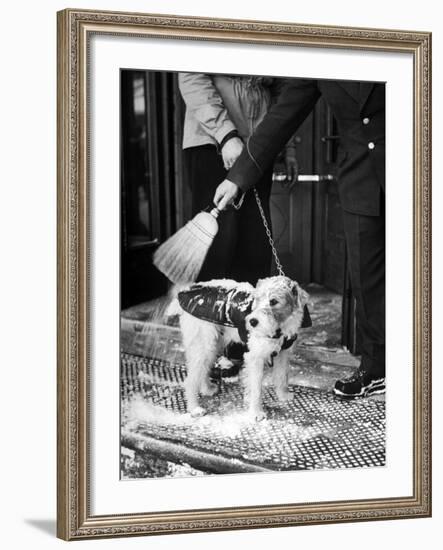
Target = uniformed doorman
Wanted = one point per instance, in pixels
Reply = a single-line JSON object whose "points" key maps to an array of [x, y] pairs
{"points": [[359, 108]]}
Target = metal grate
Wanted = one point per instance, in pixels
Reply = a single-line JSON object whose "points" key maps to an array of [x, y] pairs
{"points": [[314, 430]]}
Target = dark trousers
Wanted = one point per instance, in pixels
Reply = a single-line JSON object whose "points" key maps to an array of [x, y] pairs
{"points": [[240, 250], [365, 241]]}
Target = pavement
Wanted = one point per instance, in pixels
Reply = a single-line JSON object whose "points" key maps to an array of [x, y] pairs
{"points": [[315, 430]]}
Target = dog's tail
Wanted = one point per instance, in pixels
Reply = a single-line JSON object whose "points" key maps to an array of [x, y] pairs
{"points": [[174, 307]]}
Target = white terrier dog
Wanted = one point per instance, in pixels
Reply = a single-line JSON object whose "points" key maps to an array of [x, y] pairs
{"points": [[267, 318]]}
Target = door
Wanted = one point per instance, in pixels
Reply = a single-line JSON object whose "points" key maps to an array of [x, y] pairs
{"points": [[307, 219], [151, 178]]}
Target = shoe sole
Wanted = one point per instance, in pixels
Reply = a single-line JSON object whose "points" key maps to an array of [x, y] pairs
{"points": [[216, 372], [375, 387]]}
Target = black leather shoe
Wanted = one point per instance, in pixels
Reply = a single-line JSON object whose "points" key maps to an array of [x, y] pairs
{"points": [[225, 369], [360, 384]]}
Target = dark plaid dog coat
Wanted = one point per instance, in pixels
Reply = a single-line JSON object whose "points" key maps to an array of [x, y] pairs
{"points": [[227, 306]]}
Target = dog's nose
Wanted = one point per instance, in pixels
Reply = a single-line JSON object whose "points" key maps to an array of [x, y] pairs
{"points": [[277, 333], [253, 322]]}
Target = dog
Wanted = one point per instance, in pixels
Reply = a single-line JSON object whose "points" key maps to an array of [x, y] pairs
{"points": [[267, 318]]}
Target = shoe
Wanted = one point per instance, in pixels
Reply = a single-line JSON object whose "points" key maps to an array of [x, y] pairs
{"points": [[225, 368], [229, 365], [360, 384]]}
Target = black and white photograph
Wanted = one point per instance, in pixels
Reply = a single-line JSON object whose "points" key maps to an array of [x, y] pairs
{"points": [[218, 223], [252, 269], [244, 246]]}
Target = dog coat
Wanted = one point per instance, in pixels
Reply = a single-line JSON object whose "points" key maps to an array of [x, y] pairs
{"points": [[226, 306]]}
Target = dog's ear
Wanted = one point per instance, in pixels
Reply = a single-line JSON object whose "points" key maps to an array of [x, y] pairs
{"points": [[259, 283], [301, 295]]}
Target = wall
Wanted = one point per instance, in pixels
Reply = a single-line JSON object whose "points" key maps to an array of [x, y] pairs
{"points": [[28, 277]]}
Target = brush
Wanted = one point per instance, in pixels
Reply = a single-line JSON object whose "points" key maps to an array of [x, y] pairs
{"points": [[181, 257]]}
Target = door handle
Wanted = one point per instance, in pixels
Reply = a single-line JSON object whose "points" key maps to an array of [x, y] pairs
{"points": [[312, 178], [309, 178]]}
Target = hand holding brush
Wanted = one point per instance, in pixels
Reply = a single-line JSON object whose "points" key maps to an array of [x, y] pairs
{"points": [[225, 194], [181, 257]]}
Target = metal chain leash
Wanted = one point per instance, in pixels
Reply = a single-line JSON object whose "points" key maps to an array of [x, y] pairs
{"points": [[269, 234], [263, 216]]}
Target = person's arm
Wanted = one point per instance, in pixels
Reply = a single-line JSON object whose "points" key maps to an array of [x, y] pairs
{"points": [[204, 101], [294, 102]]}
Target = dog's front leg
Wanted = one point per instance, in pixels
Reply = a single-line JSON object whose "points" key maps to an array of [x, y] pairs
{"points": [[280, 372], [200, 340], [254, 368], [192, 386], [198, 361]]}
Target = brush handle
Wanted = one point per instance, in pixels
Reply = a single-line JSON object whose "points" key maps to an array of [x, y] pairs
{"points": [[215, 212]]}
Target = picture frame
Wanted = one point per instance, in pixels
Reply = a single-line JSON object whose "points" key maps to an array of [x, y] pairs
{"points": [[75, 518]]}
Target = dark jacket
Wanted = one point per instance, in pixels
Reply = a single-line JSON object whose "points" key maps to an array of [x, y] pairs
{"points": [[359, 109]]}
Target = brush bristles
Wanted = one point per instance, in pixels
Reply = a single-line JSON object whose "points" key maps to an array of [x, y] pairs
{"points": [[181, 257]]}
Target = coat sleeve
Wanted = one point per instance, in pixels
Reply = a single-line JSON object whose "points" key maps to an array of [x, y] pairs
{"points": [[204, 102], [294, 102]]}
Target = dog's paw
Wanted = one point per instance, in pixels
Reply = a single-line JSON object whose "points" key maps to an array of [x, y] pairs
{"points": [[209, 389], [256, 416], [197, 412], [284, 395]]}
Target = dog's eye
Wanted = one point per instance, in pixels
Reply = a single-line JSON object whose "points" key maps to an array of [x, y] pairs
{"points": [[273, 302]]}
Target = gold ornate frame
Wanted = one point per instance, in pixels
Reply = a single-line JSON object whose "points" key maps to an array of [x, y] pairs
{"points": [[75, 28]]}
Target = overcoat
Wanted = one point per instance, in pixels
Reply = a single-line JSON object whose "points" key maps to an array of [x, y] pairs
{"points": [[359, 108]]}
